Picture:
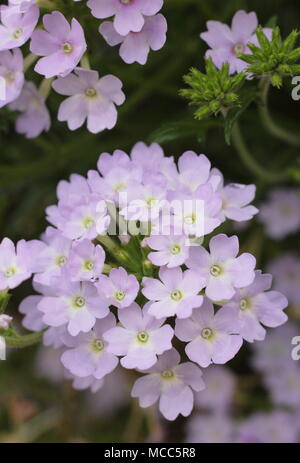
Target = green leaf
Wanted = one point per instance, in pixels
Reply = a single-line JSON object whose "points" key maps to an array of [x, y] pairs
{"points": [[183, 129]]}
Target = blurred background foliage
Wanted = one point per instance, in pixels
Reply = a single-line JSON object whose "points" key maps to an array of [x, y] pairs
{"points": [[33, 408]]}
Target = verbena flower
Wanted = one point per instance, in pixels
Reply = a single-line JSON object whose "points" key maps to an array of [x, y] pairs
{"points": [[16, 26], [128, 15], [135, 46], [227, 44], [286, 276], [139, 339], [211, 338], [171, 383], [61, 45], [90, 98], [11, 69], [35, 116]]}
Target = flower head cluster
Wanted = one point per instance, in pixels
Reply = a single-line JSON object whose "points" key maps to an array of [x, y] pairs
{"points": [[122, 272]]}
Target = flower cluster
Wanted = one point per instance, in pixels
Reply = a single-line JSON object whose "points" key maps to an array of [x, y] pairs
{"points": [[133, 266], [59, 46]]}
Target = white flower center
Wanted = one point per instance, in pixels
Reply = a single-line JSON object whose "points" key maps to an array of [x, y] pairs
{"points": [[168, 374], [88, 265], [88, 222], [97, 345], [143, 337], [78, 302], [175, 249], [119, 295], [176, 295], [10, 271], [238, 49], [207, 333], [190, 219], [10, 77], [17, 33], [244, 304], [61, 261], [67, 48], [90, 92], [215, 270]]}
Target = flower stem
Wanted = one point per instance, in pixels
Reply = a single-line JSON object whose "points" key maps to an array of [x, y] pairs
{"points": [[29, 60], [251, 163], [45, 87], [23, 341], [85, 62], [270, 125]]}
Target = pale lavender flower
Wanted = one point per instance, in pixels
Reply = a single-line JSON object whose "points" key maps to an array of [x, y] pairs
{"points": [[86, 261], [194, 170], [33, 319], [135, 46], [35, 116], [90, 98], [54, 257], [210, 429], [11, 69], [54, 337], [139, 339], [171, 250], [16, 26], [220, 386], [176, 294], [235, 201], [275, 427], [22, 5], [221, 269], [17, 263], [5, 321], [228, 43], [284, 387], [144, 202], [119, 288], [256, 305], [286, 273], [129, 15], [60, 45], [211, 337], [88, 354], [90, 382], [280, 214], [171, 384], [76, 305]]}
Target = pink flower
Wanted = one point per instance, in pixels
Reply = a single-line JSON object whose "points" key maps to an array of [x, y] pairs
{"points": [[11, 69], [61, 46], [88, 355], [211, 338], [140, 338], [175, 294], [35, 116], [171, 383], [222, 270], [226, 44], [90, 98], [17, 26], [135, 46], [255, 305], [129, 15], [119, 288]]}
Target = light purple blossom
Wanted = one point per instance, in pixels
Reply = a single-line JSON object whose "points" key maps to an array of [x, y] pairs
{"points": [[5, 321], [76, 305], [280, 214], [286, 273], [235, 202], [144, 202], [210, 429], [16, 26], [211, 337], [255, 304], [119, 288], [90, 98], [33, 319], [88, 355], [221, 269], [170, 250], [61, 45], [129, 15], [11, 69], [35, 116], [53, 257], [284, 387], [176, 294], [135, 46], [17, 263], [171, 383], [86, 261], [90, 382], [139, 339], [228, 43]]}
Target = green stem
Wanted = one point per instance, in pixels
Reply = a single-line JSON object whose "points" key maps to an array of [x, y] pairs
{"points": [[25, 340], [45, 87], [29, 60], [251, 163], [85, 62], [270, 125]]}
